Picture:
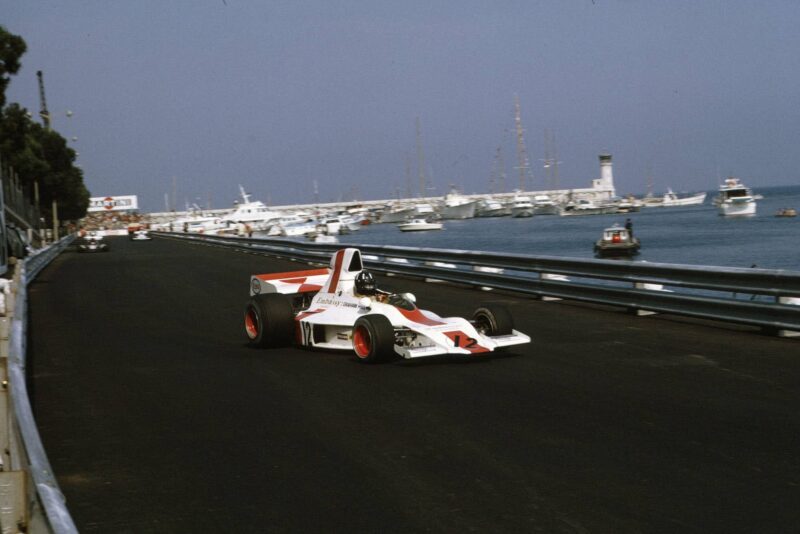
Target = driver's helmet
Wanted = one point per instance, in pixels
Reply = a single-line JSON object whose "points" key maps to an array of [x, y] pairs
{"points": [[365, 283]]}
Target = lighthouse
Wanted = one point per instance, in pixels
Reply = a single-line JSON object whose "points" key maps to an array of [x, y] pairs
{"points": [[604, 185]]}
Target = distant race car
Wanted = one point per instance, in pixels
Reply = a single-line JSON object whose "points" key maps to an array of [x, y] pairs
{"points": [[140, 235], [92, 243], [341, 308]]}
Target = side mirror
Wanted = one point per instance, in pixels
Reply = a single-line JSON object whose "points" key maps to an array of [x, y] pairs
{"points": [[410, 297], [364, 302]]}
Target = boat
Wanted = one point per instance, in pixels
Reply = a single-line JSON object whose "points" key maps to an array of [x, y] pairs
{"points": [[735, 199], [457, 206], [397, 213], [671, 199], [489, 207], [196, 224], [587, 207], [253, 213], [544, 205], [419, 225], [616, 242], [628, 205], [293, 226], [423, 210], [521, 206], [786, 212]]}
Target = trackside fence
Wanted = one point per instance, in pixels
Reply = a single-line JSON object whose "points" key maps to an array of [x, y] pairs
{"points": [[30, 499], [767, 298]]}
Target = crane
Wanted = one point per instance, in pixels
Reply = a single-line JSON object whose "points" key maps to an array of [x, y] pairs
{"points": [[44, 114]]}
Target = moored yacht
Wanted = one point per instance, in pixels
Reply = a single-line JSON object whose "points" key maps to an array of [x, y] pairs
{"points": [[397, 213], [254, 213], [521, 206], [735, 199], [544, 205], [489, 207], [587, 207], [457, 206]]}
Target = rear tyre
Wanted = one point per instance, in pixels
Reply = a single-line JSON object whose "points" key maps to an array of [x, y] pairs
{"points": [[269, 321], [373, 339], [493, 320]]}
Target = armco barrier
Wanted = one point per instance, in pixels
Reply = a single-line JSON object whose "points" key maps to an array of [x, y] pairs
{"points": [[767, 298], [30, 499]]}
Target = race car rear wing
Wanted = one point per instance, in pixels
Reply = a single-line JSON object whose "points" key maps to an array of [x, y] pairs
{"points": [[289, 283]]}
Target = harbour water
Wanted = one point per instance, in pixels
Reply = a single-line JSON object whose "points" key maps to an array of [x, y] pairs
{"points": [[691, 236]]}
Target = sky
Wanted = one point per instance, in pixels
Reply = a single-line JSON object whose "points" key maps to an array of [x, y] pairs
{"points": [[204, 95]]}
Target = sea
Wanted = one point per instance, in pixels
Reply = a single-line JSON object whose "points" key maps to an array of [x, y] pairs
{"points": [[694, 235]]}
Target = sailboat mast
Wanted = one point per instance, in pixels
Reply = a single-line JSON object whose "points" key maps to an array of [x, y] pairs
{"points": [[501, 165], [408, 175], [522, 153], [421, 161]]}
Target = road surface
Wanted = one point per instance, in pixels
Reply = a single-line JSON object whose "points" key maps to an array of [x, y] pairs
{"points": [[158, 418]]}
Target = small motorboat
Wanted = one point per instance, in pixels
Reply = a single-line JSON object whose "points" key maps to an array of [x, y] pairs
{"points": [[616, 241], [735, 199], [786, 212], [419, 225]]}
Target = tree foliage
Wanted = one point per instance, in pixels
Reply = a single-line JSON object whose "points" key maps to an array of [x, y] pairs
{"points": [[38, 155], [11, 49]]}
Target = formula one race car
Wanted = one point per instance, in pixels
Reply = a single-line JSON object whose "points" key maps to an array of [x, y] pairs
{"points": [[139, 235], [341, 308], [92, 242]]}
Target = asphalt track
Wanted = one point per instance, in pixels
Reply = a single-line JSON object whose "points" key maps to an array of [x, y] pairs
{"points": [[158, 418]]}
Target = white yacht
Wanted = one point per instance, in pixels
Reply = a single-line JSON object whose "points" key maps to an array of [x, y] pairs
{"points": [[196, 223], [397, 213], [587, 207], [544, 205], [735, 199], [489, 207], [419, 225], [457, 206], [423, 210], [293, 226], [255, 214], [521, 206]]}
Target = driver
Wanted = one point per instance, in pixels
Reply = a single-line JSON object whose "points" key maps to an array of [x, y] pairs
{"points": [[367, 287]]}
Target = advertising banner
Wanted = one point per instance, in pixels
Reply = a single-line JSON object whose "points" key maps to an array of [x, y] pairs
{"points": [[116, 203]]}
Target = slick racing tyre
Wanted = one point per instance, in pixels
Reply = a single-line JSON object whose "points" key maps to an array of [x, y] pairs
{"points": [[373, 339], [493, 320], [269, 320]]}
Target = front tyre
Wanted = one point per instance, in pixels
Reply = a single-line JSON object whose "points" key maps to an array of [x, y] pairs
{"points": [[269, 320], [493, 320], [373, 339]]}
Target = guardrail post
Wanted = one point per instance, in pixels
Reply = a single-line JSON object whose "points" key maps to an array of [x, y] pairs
{"points": [[649, 287], [555, 277], [792, 301], [493, 270]]}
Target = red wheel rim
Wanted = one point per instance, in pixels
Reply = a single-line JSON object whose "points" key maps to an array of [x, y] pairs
{"points": [[362, 342], [251, 323]]}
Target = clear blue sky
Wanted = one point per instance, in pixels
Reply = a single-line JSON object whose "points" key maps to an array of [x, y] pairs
{"points": [[275, 95]]}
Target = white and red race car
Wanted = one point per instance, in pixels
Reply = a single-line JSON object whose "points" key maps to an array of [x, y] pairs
{"points": [[340, 308]]}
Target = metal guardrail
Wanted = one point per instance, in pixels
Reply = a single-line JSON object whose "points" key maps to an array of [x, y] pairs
{"points": [[766, 298], [32, 500]]}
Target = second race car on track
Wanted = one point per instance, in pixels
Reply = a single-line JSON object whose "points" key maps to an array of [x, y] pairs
{"points": [[341, 308]]}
